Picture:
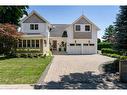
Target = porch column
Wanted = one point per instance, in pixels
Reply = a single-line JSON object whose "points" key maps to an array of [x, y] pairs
{"points": [[41, 45]]}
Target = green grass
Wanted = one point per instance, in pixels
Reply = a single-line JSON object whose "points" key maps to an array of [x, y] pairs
{"points": [[22, 70]]}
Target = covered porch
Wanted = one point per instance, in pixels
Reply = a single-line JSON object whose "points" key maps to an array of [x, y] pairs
{"points": [[32, 44]]}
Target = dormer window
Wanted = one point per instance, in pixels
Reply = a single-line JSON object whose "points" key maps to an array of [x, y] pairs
{"points": [[33, 26], [64, 34], [87, 28], [77, 27]]}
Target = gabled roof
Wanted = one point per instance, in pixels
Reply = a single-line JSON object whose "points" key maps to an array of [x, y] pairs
{"points": [[83, 16], [58, 30], [34, 12]]}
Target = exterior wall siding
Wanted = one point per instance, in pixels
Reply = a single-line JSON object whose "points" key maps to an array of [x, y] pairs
{"points": [[42, 28], [82, 34]]}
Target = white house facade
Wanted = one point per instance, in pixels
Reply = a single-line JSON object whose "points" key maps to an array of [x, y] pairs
{"points": [[80, 37]]}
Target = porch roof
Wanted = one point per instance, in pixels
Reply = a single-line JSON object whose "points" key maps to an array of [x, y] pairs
{"points": [[33, 36]]}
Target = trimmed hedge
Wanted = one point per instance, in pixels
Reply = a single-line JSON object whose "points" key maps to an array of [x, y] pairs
{"points": [[30, 55], [104, 45], [24, 50], [110, 51]]}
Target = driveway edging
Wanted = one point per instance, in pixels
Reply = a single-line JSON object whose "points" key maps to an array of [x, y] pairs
{"points": [[40, 82]]}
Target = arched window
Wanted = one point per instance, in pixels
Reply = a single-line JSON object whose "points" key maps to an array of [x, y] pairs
{"points": [[64, 34]]}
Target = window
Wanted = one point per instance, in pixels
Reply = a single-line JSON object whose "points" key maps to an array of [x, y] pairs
{"points": [[28, 43], [33, 43], [78, 44], [87, 27], [20, 43], [36, 26], [77, 27], [85, 44], [24, 43], [45, 43], [91, 44], [37, 43], [33, 26], [64, 34], [72, 44]]}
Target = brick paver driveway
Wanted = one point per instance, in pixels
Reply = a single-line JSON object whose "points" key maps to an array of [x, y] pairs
{"points": [[66, 67], [66, 64]]}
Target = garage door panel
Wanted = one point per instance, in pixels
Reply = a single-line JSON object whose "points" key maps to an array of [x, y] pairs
{"points": [[75, 49], [88, 49]]}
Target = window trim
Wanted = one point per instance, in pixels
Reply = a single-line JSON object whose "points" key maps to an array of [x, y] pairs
{"points": [[71, 44], [85, 27], [91, 44], [85, 44], [34, 25], [75, 27], [31, 26]]}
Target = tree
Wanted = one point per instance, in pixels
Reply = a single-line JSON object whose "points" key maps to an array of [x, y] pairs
{"points": [[121, 29], [109, 34], [12, 14], [98, 40], [8, 38]]}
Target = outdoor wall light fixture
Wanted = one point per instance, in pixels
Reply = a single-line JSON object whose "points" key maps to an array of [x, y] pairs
{"points": [[75, 41], [89, 41]]}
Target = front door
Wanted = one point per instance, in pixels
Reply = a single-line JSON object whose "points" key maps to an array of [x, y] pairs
{"points": [[54, 45]]}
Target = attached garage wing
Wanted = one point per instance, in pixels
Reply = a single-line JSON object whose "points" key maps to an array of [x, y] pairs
{"points": [[81, 48]]}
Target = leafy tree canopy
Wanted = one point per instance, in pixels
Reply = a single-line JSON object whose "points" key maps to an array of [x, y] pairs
{"points": [[109, 34], [12, 14], [8, 38]]}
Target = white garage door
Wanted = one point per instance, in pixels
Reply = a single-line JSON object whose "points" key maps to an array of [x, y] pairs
{"points": [[75, 49], [81, 49], [88, 49]]}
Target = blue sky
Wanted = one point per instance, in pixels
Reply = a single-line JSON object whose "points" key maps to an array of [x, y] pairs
{"points": [[102, 16]]}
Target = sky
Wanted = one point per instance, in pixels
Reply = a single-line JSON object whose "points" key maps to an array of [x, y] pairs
{"points": [[102, 16]]}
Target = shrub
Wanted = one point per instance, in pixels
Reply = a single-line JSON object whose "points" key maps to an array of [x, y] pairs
{"points": [[114, 55], [23, 50], [110, 51], [123, 58], [104, 45], [18, 55], [111, 67], [24, 55]]}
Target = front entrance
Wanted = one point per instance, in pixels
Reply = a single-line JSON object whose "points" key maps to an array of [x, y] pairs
{"points": [[54, 45]]}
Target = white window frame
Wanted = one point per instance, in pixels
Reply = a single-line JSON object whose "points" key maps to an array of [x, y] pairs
{"points": [[34, 26], [85, 27], [75, 28]]}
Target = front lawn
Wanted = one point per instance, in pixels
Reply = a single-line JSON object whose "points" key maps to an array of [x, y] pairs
{"points": [[22, 70]]}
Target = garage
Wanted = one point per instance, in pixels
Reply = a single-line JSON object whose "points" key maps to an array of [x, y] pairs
{"points": [[81, 48], [88, 49], [75, 49]]}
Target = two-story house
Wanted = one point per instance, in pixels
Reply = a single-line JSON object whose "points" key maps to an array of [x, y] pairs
{"points": [[80, 37]]}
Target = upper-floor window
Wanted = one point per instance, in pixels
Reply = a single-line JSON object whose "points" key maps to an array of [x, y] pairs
{"points": [[36, 26], [87, 27], [77, 27], [64, 34], [33, 26]]}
